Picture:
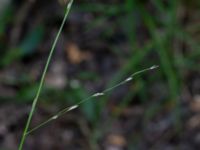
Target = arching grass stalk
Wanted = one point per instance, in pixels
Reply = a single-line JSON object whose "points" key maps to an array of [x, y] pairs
{"points": [[43, 77], [98, 94]]}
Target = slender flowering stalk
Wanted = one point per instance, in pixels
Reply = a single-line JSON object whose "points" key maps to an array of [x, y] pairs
{"points": [[43, 77], [98, 94]]}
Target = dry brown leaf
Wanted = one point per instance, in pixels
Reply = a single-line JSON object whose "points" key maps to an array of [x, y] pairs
{"points": [[75, 55], [117, 140]]}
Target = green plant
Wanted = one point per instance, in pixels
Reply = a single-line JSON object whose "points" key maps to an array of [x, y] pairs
{"points": [[27, 131], [95, 95], [43, 77]]}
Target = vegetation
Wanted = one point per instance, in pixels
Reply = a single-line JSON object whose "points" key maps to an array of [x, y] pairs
{"points": [[103, 43]]}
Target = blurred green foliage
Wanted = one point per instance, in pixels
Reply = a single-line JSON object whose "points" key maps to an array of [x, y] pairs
{"points": [[164, 29], [27, 47]]}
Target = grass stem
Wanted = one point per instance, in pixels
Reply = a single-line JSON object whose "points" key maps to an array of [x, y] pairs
{"points": [[43, 77]]}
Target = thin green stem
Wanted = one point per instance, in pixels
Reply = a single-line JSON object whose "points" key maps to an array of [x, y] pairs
{"points": [[43, 77], [67, 109]]}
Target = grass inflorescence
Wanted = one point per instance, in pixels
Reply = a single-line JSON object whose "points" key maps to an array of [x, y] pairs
{"points": [[27, 131], [98, 94]]}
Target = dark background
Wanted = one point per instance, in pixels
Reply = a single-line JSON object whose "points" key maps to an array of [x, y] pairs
{"points": [[102, 43]]}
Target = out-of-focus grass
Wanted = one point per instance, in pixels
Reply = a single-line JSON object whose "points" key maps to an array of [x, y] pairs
{"points": [[25, 48], [163, 43], [163, 28]]}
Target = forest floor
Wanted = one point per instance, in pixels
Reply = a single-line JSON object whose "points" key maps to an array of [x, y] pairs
{"points": [[101, 44]]}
